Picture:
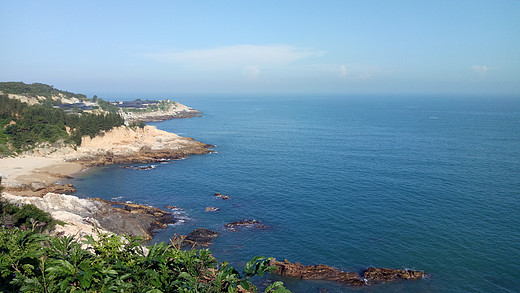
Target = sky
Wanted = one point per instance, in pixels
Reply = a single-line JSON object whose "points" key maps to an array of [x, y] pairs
{"points": [[263, 47]]}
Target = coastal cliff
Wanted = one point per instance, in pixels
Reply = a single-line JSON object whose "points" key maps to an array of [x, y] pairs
{"points": [[135, 145], [32, 178]]}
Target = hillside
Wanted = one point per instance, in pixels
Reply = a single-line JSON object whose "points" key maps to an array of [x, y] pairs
{"points": [[37, 114]]}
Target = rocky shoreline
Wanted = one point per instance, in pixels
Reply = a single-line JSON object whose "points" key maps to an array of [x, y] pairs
{"points": [[175, 111], [91, 216], [33, 178]]}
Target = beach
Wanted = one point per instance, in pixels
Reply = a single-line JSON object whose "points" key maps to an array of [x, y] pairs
{"points": [[27, 170], [34, 178]]}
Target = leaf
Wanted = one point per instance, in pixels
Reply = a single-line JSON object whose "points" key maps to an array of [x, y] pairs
{"points": [[85, 279]]}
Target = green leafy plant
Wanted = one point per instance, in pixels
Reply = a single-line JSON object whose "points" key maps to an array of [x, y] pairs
{"points": [[34, 262]]}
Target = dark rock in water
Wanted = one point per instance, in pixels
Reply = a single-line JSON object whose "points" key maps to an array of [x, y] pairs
{"points": [[245, 224], [200, 237], [324, 272], [171, 207], [389, 275], [319, 272], [212, 209], [223, 196]]}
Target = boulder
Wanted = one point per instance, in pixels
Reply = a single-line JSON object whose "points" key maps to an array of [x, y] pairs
{"points": [[132, 219], [222, 196], [247, 223], [212, 209], [200, 237]]}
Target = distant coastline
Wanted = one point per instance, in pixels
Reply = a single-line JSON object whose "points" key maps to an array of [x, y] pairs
{"points": [[32, 177]]}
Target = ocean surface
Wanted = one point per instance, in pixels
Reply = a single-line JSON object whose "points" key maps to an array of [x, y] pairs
{"points": [[417, 182]]}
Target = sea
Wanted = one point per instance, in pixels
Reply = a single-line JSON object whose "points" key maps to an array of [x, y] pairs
{"points": [[427, 183]]}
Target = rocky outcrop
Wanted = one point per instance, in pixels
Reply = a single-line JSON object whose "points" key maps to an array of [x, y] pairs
{"points": [[324, 272], [247, 223], [56, 188], [222, 196], [40, 189], [133, 219], [116, 217], [175, 110], [390, 275], [212, 209], [125, 145], [200, 237]]}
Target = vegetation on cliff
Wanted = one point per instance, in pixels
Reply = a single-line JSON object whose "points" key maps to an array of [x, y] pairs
{"points": [[22, 126], [38, 89]]}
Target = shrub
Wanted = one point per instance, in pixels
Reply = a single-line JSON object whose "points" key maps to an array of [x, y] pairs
{"points": [[33, 262]]}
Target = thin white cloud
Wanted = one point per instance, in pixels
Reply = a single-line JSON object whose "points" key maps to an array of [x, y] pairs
{"points": [[356, 72], [343, 71], [252, 72], [237, 56], [481, 72], [481, 69]]}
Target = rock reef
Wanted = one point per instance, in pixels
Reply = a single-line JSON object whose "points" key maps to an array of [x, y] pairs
{"points": [[200, 237], [246, 223], [327, 273]]}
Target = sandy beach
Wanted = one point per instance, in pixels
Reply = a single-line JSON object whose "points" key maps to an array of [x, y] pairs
{"points": [[27, 170]]}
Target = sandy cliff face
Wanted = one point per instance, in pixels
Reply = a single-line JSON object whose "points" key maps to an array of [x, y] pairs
{"points": [[129, 145]]}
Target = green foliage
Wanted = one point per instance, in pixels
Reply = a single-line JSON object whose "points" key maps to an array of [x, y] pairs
{"points": [[36, 89], [91, 124], [139, 124], [107, 106], [27, 216], [163, 105], [23, 126], [37, 123], [32, 262]]}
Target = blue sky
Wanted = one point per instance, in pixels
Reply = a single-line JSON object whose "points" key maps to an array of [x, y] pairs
{"points": [[179, 47]]}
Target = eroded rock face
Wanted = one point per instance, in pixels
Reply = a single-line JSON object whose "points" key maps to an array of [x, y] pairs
{"points": [[200, 237], [123, 145], [247, 223], [324, 272]]}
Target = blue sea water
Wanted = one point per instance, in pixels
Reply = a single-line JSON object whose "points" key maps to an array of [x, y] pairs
{"points": [[426, 183]]}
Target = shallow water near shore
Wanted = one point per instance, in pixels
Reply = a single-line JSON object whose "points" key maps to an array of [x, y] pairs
{"points": [[426, 183]]}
